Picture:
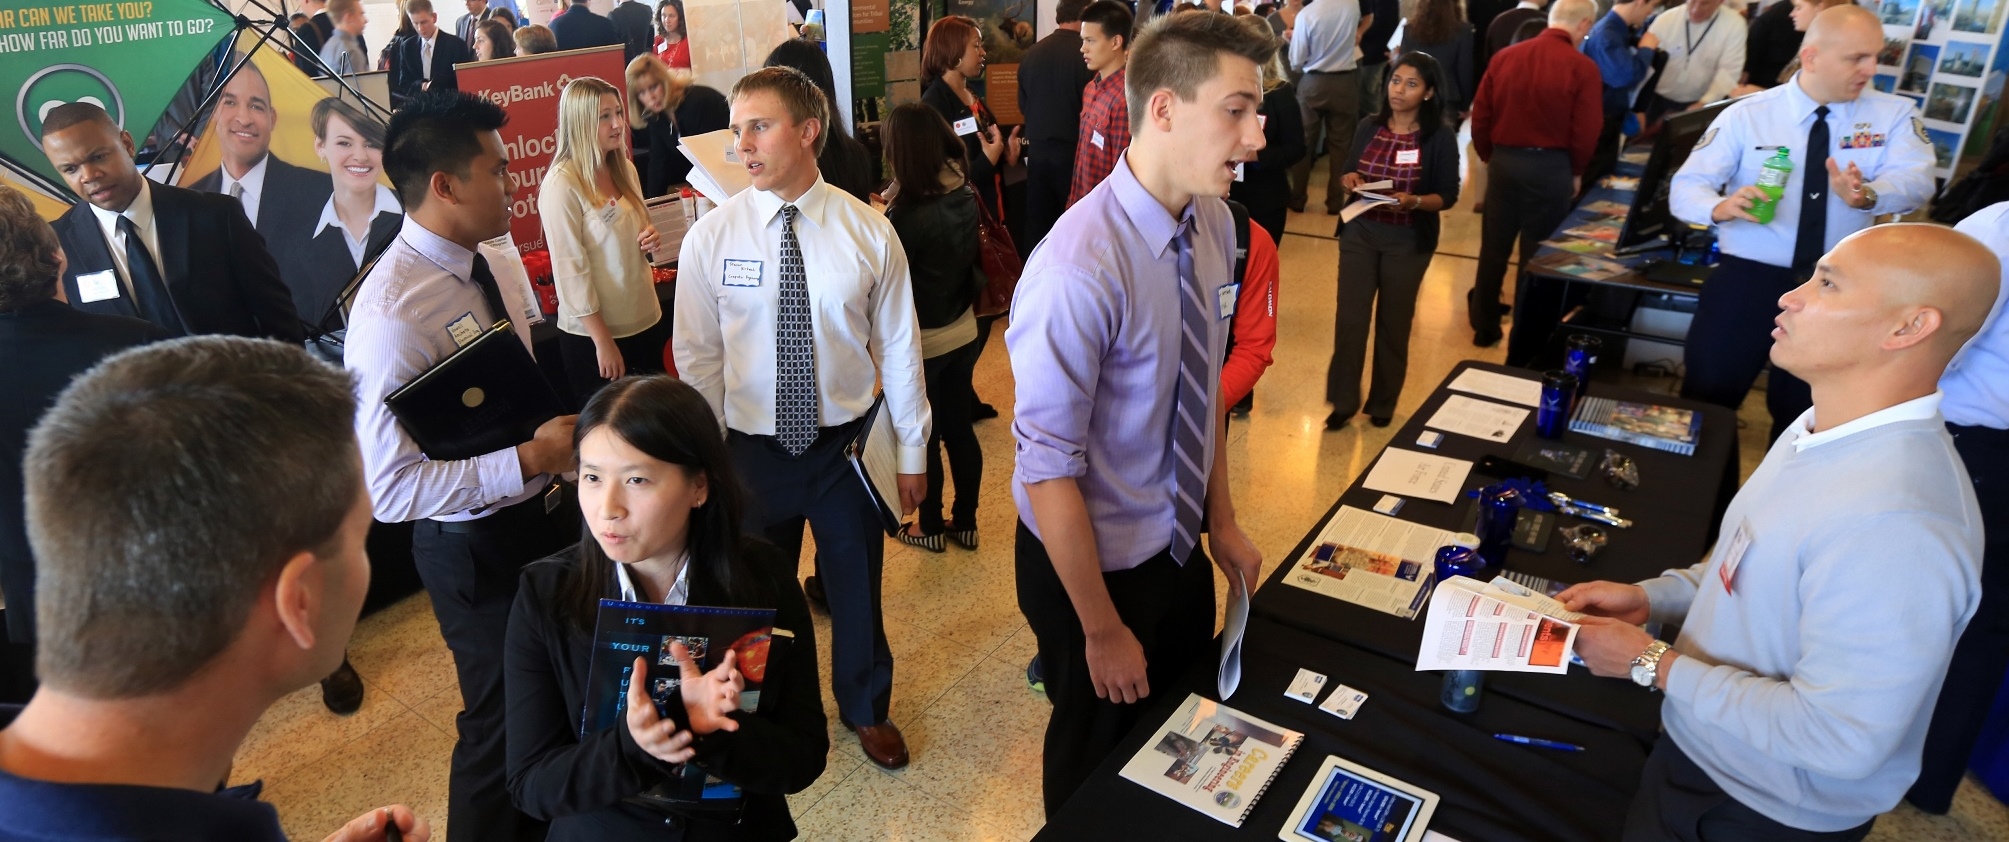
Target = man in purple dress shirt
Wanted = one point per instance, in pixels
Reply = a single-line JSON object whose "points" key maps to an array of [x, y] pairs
{"points": [[1117, 336]]}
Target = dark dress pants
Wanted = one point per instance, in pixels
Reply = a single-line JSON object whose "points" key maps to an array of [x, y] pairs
{"points": [[1527, 197], [1730, 340], [821, 488], [1330, 104], [1380, 271], [640, 354], [1677, 802], [1168, 606], [951, 396], [1982, 656], [470, 571], [1049, 172]]}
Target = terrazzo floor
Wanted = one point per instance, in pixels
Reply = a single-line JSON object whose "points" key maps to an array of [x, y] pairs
{"points": [[961, 646]]}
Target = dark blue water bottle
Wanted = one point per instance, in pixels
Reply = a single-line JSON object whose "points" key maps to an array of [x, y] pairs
{"points": [[1499, 505], [1460, 557], [1579, 357], [1461, 690], [1552, 416]]}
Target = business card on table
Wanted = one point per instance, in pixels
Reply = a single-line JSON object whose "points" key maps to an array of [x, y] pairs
{"points": [[1344, 702], [1305, 686]]}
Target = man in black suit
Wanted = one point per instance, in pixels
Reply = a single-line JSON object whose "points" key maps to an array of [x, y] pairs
{"points": [[425, 61], [283, 201], [1051, 77], [309, 36], [187, 261], [578, 28], [637, 27], [49, 343]]}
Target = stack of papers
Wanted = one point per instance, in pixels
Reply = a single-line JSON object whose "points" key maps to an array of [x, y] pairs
{"points": [[1476, 418], [1498, 626], [716, 171], [1506, 387], [1367, 200]]}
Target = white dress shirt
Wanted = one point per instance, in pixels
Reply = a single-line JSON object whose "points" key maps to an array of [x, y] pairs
{"points": [[596, 262], [1916, 409], [253, 183], [1976, 383], [680, 590], [1325, 39], [1704, 60], [141, 213], [861, 306], [400, 327], [357, 241]]}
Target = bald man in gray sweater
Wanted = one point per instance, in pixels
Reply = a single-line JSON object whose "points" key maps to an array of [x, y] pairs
{"points": [[1816, 634]]}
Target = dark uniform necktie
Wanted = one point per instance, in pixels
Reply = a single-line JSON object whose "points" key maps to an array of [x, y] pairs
{"points": [[149, 290], [490, 292], [1190, 412], [1812, 240], [795, 400]]}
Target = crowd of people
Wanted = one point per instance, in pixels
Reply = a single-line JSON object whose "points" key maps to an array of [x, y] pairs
{"points": [[197, 488]]}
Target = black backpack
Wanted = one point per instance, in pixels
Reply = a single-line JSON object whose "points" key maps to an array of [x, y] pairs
{"points": [[1241, 215]]}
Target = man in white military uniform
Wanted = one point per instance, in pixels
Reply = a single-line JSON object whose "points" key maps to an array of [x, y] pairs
{"points": [[1857, 153]]}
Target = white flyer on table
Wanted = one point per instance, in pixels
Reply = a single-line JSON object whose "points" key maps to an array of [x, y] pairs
{"points": [[1374, 561], [1476, 418], [1505, 387], [1473, 626], [1413, 474]]}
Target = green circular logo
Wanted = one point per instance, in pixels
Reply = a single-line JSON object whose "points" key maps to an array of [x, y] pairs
{"points": [[62, 84]]}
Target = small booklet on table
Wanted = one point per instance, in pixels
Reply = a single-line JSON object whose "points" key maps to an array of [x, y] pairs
{"points": [[1648, 425], [1371, 560], [1213, 758]]}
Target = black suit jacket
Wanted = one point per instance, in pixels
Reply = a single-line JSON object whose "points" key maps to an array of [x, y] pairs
{"points": [[46, 345], [215, 264], [319, 269], [464, 28], [288, 204], [637, 27], [579, 784], [310, 37], [1051, 77], [407, 75], [578, 27]]}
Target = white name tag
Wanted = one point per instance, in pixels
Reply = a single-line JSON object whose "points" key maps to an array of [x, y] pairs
{"points": [[464, 330], [742, 273], [98, 286], [966, 126], [1228, 296], [1095, 137], [1733, 555], [1408, 156]]}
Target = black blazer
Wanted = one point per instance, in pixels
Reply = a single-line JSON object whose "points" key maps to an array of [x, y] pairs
{"points": [[1440, 175], [215, 264], [407, 76], [1051, 77], [847, 164], [579, 785], [983, 173], [46, 345], [940, 236], [289, 203], [637, 26], [579, 27], [318, 269], [703, 110], [1265, 186]]}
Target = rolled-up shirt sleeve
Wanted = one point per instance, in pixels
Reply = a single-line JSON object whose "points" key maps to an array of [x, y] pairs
{"points": [[1062, 323], [896, 344]]}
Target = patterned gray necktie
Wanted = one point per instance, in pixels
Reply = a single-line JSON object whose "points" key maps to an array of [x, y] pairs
{"points": [[795, 398], [1191, 413]]}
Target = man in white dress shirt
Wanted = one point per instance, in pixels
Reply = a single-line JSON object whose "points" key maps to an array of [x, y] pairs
{"points": [[792, 300], [1325, 46], [1704, 43], [436, 288]]}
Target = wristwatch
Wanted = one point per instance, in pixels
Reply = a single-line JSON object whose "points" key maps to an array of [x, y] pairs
{"points": [[1869, 195], [1646, 667]]}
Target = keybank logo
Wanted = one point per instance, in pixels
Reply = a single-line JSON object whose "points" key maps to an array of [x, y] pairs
{"points": [[62, 84]]}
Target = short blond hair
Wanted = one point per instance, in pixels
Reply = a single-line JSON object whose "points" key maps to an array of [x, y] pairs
{"points": [[338, 10], [418, 7], [798, 94]]}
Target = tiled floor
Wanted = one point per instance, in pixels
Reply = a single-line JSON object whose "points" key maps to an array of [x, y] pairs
{"points": [[973, 727]]}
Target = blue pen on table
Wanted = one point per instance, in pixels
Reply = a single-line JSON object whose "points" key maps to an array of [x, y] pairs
{"points": [[1538, 742]]}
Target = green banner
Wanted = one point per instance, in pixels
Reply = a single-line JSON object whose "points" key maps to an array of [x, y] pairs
{"points": [[130, 57], [868, 65]]}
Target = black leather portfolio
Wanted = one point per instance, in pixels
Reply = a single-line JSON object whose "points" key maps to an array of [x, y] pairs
{"points": [[487, 396]]}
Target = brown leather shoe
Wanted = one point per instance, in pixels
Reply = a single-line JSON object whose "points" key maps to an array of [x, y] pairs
{"points": [[883, 743]]}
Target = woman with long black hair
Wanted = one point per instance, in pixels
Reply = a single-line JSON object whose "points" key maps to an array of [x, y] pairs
{"points": [[1385, 251], [661, 515]]}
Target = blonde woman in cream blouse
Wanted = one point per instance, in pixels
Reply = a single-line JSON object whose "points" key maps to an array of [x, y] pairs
{"points": [[599, 234]]}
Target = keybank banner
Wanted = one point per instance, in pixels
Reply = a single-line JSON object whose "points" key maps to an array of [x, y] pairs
{"points": [[130, 57], [528, 87]]}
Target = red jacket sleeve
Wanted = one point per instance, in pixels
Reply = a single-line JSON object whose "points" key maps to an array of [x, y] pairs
{"points": [[1255, 320], [1587, 117]]}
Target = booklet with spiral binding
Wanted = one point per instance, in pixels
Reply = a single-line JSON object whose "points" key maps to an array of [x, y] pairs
{"points": [[1213, 758]]}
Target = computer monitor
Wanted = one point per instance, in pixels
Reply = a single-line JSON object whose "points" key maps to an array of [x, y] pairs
{"points": [[1650, 224]]}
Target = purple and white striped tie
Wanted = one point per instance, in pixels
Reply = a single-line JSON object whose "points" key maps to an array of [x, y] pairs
{"points": [[1191, 412]]}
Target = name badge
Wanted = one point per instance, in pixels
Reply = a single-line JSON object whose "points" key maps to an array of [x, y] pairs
{"points": [[1733, 555], [1238, 170], [609, 212], [1408, 156], [742, 273], [1095, 137], [1228, 296], [966, 126], [98, 286], [464, 330]]}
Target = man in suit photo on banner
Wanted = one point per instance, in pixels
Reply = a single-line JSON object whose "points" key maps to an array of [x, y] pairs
{"points": [[280, 198]]}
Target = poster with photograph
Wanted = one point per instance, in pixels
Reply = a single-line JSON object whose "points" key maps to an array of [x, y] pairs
{"points": [[730, 38], [1918, 66], [1899, 12], [1884, 82], [1943, 145], [1892, 52], [1963, 58], [1984, 16], [1951, 103], [1988, 112]]}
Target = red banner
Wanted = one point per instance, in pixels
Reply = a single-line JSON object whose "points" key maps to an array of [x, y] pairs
{"points": [[527, 87]]}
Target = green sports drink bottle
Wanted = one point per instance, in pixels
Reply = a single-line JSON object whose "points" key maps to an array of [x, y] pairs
{"points": [[1772, 179]]}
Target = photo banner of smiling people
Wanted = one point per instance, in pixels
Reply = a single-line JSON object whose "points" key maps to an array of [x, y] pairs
{"points": [[130, 57], [527, 87], [308, 168]]}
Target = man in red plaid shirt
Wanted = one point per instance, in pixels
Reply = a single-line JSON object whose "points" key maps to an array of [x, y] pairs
{"points": [[1105, 111]]}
